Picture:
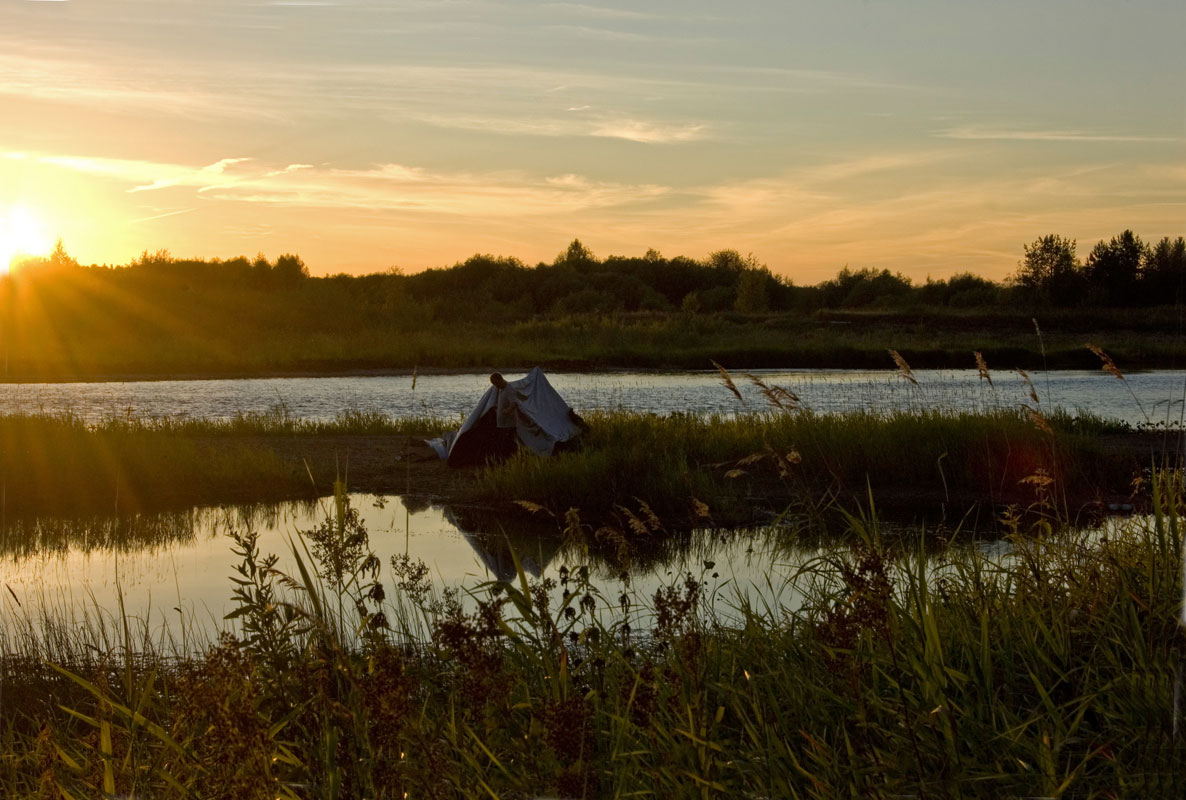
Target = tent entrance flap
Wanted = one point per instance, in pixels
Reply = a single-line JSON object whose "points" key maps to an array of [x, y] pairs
{"points": [[527, 412]]}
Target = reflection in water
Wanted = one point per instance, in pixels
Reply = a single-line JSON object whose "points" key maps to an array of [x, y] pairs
{"points": [[27, 537], [163, 568]]}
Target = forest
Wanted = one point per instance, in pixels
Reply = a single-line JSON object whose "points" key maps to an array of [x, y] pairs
{"points": [[165, 315]]}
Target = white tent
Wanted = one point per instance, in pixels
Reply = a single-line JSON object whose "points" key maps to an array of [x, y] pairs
{"points": [[528, 411]]}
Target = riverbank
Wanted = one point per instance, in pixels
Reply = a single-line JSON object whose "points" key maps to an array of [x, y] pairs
{"points": [[926, 338], [735, 470]]}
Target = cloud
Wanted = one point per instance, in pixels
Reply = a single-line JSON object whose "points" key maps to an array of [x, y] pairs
{"points": [[64, 76], [382, 187], [503, 98], [600, 34], [646, 132], [978, 133], [161, 216], [288, 169], [598, 12], [181, 175]]}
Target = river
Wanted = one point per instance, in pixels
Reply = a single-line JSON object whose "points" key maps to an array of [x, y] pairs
{"points": [[1144, 397], [172, 571]]}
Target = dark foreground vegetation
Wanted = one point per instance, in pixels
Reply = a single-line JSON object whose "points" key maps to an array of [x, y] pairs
{"points": [[1051, 671], [165, 316]]}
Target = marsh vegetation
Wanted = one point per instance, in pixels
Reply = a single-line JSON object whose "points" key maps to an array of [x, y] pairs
{"points": [[1050, 668]]}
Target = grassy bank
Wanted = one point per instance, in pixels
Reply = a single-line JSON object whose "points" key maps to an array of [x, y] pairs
{"points": [[690, 469], [60, 464], [671, 340], [1051, 671], [936, 465]]}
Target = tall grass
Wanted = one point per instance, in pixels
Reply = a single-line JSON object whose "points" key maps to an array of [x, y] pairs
{"points": [[1048, 670], [747, 465], [63, 463]]}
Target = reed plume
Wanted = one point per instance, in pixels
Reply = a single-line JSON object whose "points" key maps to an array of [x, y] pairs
{"points": [[903, 368], [727, 380], [982, 367]]}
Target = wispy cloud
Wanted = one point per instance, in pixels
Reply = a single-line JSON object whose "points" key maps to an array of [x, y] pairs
{"points": [[979, 133], [383, 187], [646, 132], [64, 76], [181, 175], [601, 34], [598, 12], [509, 100], [163, 215]]}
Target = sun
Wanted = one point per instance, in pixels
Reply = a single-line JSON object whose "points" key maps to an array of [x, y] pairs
{"points": [[21, 234]]}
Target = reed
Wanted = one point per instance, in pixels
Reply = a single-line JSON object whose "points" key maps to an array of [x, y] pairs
{"points": [[748, 465], [1048, 668]]}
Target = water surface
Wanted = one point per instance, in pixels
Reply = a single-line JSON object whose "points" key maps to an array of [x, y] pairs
{"points": [[1155, 395], [173, 570]]}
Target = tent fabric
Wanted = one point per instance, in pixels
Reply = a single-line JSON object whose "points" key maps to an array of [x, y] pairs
{"points": [[528, 410]]}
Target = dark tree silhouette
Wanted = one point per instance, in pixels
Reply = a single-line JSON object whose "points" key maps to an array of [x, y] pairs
{"points": [[1164, 272], [1114, 269], [1049, 274]]}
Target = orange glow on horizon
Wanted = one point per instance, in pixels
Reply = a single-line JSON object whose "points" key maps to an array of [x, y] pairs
{"points": [[21, 234]]}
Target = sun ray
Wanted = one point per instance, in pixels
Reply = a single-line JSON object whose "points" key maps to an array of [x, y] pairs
{"points": [[21, 234]]}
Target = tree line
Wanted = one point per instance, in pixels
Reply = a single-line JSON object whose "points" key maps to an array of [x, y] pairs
{"points": [[1121, 272]]}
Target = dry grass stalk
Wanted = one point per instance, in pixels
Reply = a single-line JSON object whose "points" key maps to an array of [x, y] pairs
{"points": [[1107, 365], [982, 367], [534, 508], [777, 396], [727, 380], [632, 521], [903, 368], [1040, 479], [1039, 421], [1029, 385], [649, 515], [617, 539]]}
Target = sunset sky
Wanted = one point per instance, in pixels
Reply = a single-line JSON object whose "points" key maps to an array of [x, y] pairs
{"points": [[925, 137]]}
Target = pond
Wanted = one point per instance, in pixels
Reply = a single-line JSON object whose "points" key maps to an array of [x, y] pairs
{"points": [[1155, 396], [171, 572]]}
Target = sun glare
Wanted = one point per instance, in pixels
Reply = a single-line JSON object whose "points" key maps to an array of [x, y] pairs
{"points": [[21, 234]]}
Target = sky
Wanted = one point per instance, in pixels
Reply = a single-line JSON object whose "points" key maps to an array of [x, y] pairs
{"points": [[928, 138]]}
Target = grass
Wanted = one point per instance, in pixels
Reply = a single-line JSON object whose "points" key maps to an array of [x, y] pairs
{"points": [[1049, 671], [744, 467], [61, 344], [59, 463]]}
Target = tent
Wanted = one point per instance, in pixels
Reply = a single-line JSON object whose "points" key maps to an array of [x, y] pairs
{"points": [[526, 412]]}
